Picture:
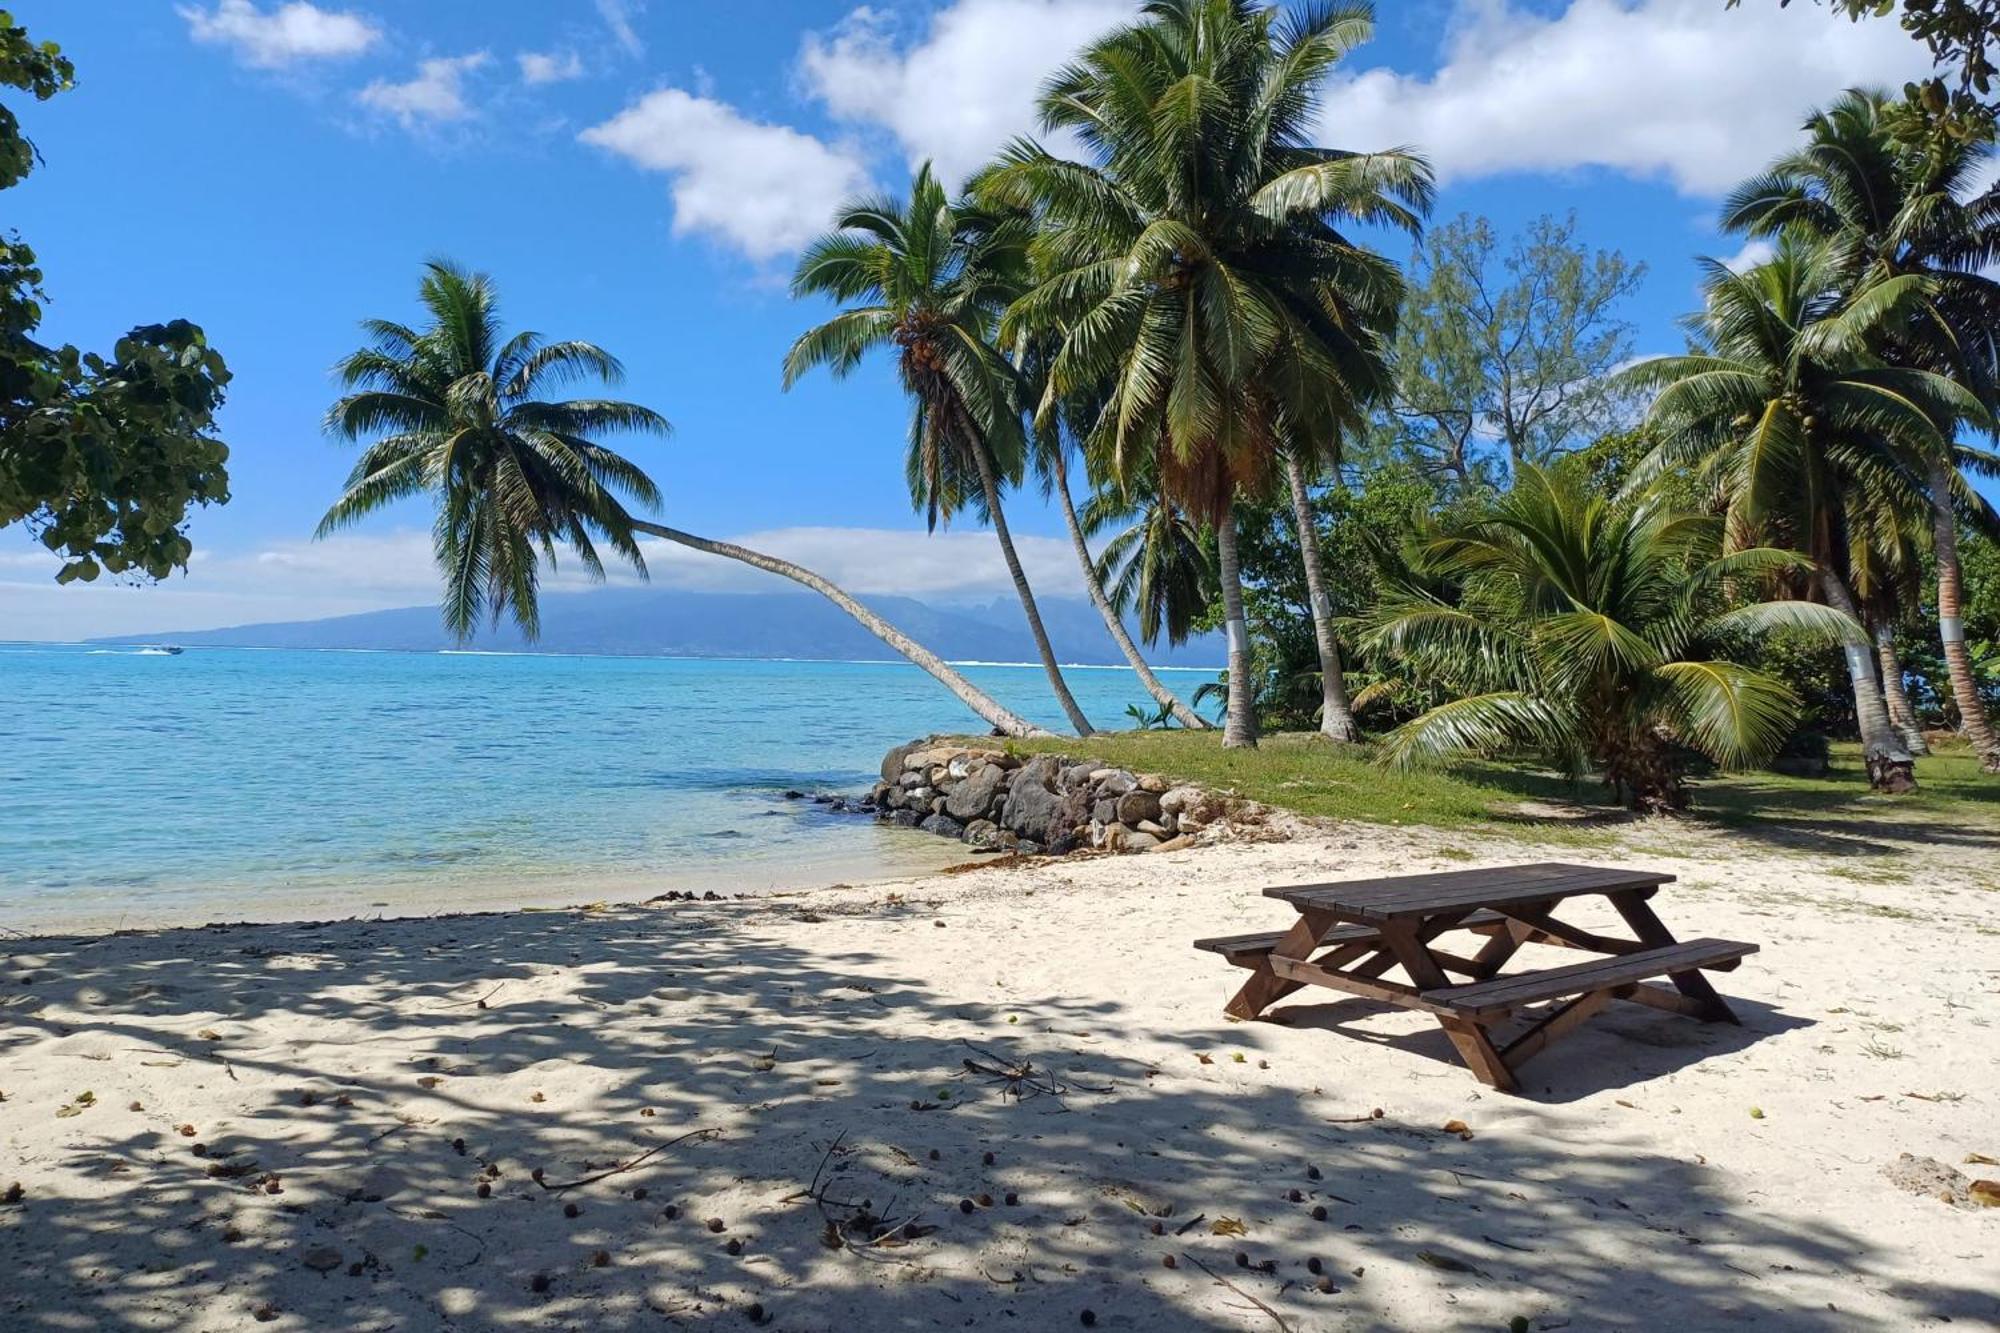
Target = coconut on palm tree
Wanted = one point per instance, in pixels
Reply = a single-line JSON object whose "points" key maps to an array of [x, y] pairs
{"points": [[1808, 437], [1586, 632], [1191, 270], [454, 411], [1881, 182], [929, 277]]}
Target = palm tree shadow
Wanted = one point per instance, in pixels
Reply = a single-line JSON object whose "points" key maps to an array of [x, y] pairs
{"points": [[817, 1064]]}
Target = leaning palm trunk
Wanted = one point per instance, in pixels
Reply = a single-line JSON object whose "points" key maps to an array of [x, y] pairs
{"points": [[1958, 662], [1336, 715], [968, 693], [1895, 694], [991, 482], [1239, 726], [1891, 766], [1162, 696]]}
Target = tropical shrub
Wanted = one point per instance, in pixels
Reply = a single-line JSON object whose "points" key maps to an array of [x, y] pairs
{"points": [[1583, 630]]}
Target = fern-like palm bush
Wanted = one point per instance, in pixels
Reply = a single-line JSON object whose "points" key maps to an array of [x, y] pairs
{"points": [[1588, 633]]}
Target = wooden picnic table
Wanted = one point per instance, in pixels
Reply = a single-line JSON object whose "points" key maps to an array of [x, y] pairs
{"points": [[1349, 935]]}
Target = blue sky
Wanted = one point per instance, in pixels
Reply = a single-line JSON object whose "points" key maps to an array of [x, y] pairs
{"points": [[641, 174]]}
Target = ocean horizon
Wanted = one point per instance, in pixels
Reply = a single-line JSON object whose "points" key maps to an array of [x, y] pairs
{"points": [[148, 787]]}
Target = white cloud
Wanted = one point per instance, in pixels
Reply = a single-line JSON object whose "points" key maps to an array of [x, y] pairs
{"points": [[436, 94], [295, 31], [1755, 251], [1687, 90], [354, 572], [549, 66], [617, 16], [966, 86], [764, 189]]}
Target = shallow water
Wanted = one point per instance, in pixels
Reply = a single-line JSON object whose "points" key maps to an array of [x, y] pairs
{"points": [[141, 787]]}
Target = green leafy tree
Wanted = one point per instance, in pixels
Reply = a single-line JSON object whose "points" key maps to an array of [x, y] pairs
{"points": [[1192, 267], [1964, 39], [1585, 631], [453, 411], [1809, 439], [100, 457], [1504, 355], [929, 277]]}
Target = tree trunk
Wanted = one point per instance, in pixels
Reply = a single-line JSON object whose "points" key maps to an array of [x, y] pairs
{"points": [[1162, 696], [1958, 662], [1336, 714], [1891, 767], [1894, 692], [991, 481], [1239, 727], [968, 693]]}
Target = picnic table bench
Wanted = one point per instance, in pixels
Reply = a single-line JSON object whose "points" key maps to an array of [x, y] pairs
{"points": [[1349, 935]]}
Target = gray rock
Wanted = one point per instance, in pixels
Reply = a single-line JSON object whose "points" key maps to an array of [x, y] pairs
{"points": [[983, 833], [937, 805], [1134, 806], [942, 825], [1032, 803], [919, 796], [976, 794], [904, 818], [913, 778], [1177, 799], [1105, 811], [1115, 782], [1148, 826], [1138, 842], [892, 762]]}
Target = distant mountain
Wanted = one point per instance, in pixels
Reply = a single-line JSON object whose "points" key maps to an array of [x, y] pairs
{"points": [[648, 622]]}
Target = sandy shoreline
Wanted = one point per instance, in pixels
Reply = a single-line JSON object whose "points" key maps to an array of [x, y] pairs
{"points": [[1660, 1173]]}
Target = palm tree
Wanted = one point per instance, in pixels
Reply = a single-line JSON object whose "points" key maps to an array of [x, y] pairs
{"points": [[1191, 271], [452, 411], [1804, 433], [1156, 563], [1586, 631], [1876, 180], [1055, 434], [1336, 710], [930, 277]]}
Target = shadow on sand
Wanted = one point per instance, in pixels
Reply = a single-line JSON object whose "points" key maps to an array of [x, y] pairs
{"points": [[640, 1025]]}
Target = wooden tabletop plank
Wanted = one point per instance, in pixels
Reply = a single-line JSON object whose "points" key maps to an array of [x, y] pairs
{"points": [[1397, 896]]}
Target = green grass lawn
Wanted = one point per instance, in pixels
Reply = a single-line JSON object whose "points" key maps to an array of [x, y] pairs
{"points": [[1299, 772]]}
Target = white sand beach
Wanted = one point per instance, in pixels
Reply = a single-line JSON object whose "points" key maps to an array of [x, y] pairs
{"points": [[375, 1125]]}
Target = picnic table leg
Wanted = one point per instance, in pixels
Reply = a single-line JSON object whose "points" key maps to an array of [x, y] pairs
{"points": [[1493, 954], [1653, 933], [1467, 1036], [1265, 987]]}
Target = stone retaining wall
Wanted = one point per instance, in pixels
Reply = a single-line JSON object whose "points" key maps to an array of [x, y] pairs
{"points": [[996, 801]]}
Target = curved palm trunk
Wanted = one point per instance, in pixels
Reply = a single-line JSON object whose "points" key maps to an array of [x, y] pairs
{"points": [[1958, 662], [1162, 696], [1239, 726], [1336, 715], [991, 482], [968, 693], [1891, 766], [1894, 692]]}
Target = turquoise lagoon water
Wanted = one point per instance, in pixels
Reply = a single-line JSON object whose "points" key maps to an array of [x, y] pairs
{"points": [[139, 787]]}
